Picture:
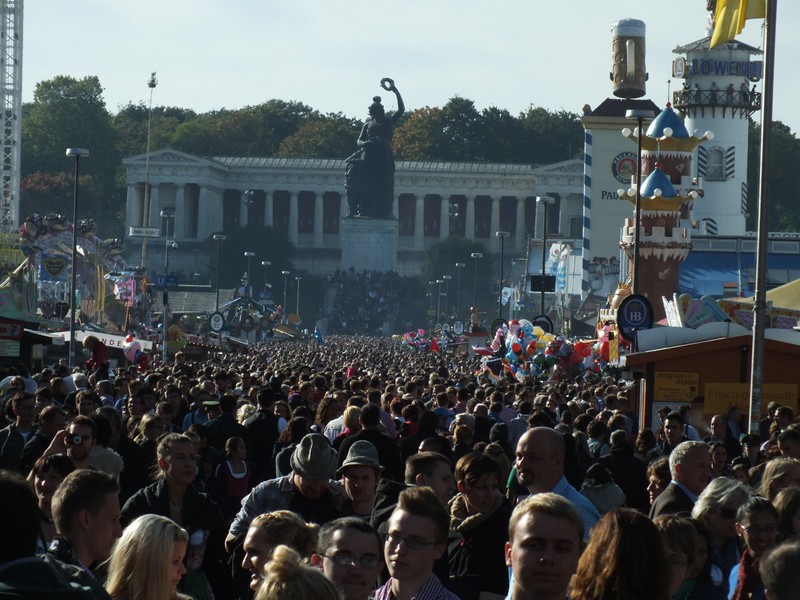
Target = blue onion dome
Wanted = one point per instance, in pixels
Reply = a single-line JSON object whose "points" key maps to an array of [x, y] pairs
{"points": [[667, 118], [657, 180]]}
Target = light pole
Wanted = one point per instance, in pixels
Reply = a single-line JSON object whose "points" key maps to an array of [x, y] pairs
{"points": [[503, 235], [639, 116], [151, 83], [285, 287], [298, 279], [166, 214], [545, 201], [248, 256], [447, 279], [460, 266], [219, 238], [265, 264], [476, 256], [77, 153]]}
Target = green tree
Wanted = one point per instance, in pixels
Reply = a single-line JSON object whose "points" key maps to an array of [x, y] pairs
{"points": [[784, 197], [130, 125], [250, 131], [417, 137], [68, 112], [46, 193], [549, 136], [329, 136]]}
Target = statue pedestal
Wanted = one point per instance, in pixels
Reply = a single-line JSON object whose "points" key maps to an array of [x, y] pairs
{"points": [[369, 244]]}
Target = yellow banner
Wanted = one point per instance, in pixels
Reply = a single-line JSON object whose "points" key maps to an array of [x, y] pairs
{"points": [[721, 397]]}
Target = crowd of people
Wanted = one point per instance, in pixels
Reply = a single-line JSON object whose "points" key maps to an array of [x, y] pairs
{"points": [[360, 468], [365, 301]]}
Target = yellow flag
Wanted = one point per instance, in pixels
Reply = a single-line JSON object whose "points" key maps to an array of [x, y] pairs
{"points": [[731, 15]]}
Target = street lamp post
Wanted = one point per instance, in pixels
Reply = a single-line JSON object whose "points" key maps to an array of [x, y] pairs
{"points": [[639, 116], [248, 256], [298, 279], [447, 279], [219, 238], [77, 153], [151, 83], [545, 201], [503, 235], [285, 287], [265, 264], [459, 266], [514, 283], [476, 256]]}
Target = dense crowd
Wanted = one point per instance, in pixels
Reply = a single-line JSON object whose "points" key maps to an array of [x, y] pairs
{"points": [[364, 302], [362, 468]]}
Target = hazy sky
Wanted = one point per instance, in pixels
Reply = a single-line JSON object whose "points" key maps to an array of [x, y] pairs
{"points": [[331, 55]]}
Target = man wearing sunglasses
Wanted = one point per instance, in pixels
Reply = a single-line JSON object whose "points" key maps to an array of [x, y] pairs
{"points": [[349, 554], [416, 538]]}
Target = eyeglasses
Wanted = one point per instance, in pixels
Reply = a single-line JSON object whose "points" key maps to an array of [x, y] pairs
{"points": [[345, 559], [768, 530], [411, 543]]}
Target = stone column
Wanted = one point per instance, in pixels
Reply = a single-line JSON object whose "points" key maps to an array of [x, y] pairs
{"points": [[244, 210], [180, 211], [419, 223], [469, 225], [494, 226], [293, 201], [519, 234], [318, 198], [133, 208], [444, 217], [155, 206], [395, 207], [268, 222]]}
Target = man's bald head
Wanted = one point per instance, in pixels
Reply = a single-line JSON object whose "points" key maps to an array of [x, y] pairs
{"points": [[540, 459]]}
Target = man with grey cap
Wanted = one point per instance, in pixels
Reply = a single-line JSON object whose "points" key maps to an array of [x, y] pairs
{"points": [[360, 472], [308, 490]]}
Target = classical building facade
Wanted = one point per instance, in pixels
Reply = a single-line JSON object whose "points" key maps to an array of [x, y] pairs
{"points": [[306, 197]]}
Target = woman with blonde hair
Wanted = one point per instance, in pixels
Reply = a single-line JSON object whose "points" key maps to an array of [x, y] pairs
{"points": [[270, 530], [779, 473], [147, 561], [288, 578]]}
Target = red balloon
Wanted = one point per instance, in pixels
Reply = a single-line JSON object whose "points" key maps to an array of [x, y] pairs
{"points": [[516, 348]]}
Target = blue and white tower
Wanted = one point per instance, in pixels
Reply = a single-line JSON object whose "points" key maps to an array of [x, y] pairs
{"points": [[719, 93]]}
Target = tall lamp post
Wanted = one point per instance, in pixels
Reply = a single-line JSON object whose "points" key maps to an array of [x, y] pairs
{"points": [[285, 287], [248, 256], [298, 279], [514, 308], [545, 201], [265, 264], [77, 153], [166, 214], [476, 256], [219, 238], [639, 116], [503, 235], [460, 267], [447, 279], [151, 83]]}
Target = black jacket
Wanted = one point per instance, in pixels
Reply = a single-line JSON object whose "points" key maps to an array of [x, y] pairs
{"points": [[630, 474]]}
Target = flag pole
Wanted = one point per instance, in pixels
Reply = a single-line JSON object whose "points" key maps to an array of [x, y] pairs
{"points": [[762, 246]]}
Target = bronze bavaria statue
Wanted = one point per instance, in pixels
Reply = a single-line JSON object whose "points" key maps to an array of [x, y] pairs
{"points": [[369, 177]]}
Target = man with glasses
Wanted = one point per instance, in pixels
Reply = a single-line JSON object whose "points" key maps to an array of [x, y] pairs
{"points": [[416, 538], [14, 437], [349, 554]]}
